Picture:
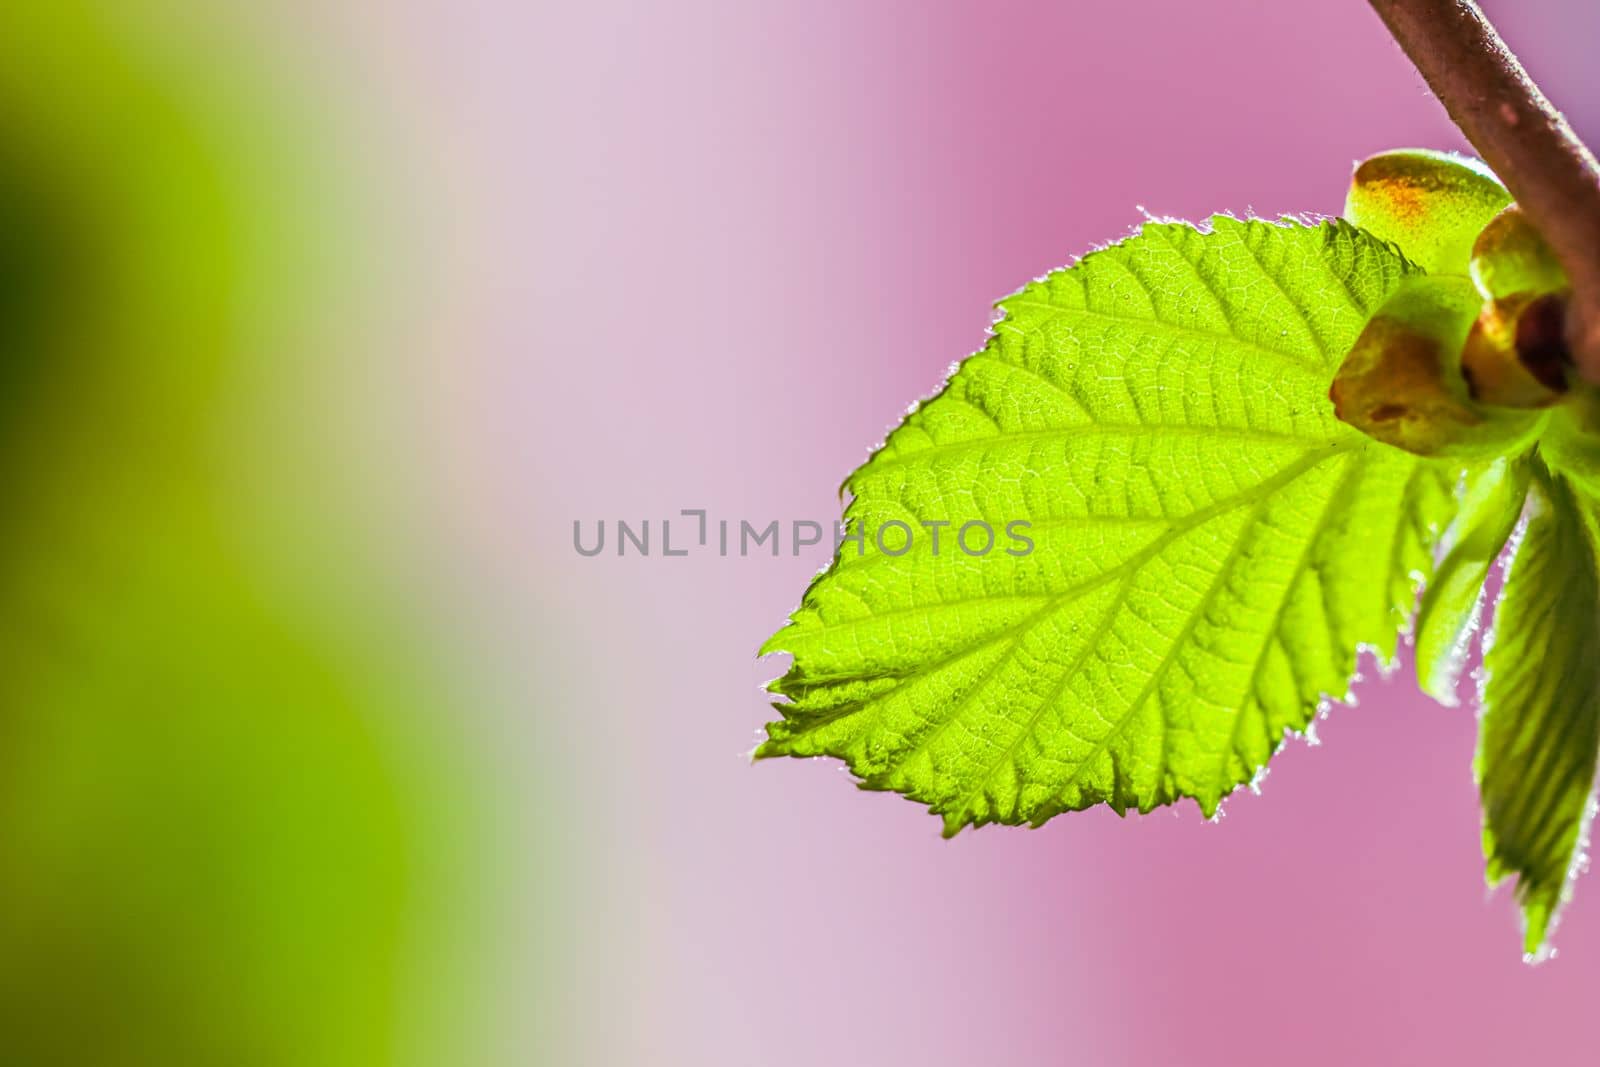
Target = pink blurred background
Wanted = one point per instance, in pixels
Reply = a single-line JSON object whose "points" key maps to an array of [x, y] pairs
{"points": [[703, 254]]}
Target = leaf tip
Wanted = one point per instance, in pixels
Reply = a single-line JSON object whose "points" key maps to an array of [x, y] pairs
{"points": [[778, 642], [775, 744]]}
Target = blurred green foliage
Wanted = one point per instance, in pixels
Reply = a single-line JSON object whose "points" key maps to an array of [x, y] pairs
{"points": [[214, 847]]}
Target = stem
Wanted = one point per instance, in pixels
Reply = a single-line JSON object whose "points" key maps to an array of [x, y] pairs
{"points": [[1526, 141]]}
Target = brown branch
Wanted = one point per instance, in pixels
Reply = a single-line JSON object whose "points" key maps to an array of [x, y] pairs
{"points": [[1552, 175]]}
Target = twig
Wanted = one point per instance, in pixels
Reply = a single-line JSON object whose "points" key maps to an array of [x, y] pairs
{"points": [[1526, 141]]}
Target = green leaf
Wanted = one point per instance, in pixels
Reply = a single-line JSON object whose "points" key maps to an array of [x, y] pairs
{"points": [[1211, 544], [1449, 610], [1540, 730]]}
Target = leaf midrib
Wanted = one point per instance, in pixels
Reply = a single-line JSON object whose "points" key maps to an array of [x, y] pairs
{"points": [[1256, 493], [1091, 429]]}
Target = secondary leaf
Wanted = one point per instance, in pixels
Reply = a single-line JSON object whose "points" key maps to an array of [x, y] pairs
{"points": [[1540, 730], [1212, 544], [1449, 609]]}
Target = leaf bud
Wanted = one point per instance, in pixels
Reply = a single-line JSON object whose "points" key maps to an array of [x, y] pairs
{"points": [[1402, 382], [1431, 204]]}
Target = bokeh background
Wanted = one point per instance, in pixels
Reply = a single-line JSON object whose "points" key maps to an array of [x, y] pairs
{"points": [[320, 324]]}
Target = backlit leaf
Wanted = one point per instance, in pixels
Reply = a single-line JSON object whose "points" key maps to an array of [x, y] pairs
{"points": [[1211, 545], [1540, 730]]}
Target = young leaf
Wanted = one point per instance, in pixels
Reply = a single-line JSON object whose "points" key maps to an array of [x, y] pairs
{"points": [[1540, 731], [1211, 544], [1449, 607]]}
